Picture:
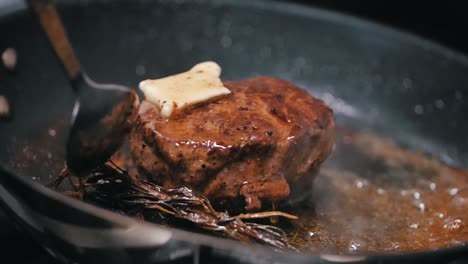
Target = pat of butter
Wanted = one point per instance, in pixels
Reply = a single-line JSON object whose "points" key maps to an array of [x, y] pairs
{"points": [[176, 92]]}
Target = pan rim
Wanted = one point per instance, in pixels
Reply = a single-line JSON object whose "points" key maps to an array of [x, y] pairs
{"points": [[308, 11], [303, 11]]}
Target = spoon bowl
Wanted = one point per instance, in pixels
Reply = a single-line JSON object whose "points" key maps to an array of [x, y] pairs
{"points": [[102, 117]]}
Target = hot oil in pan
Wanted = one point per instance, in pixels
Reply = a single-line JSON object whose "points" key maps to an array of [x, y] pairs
{"points": [[370, 196], [374, 196]]}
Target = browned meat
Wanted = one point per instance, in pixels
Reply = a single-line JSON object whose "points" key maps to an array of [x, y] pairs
{"points": [[251, 146]]}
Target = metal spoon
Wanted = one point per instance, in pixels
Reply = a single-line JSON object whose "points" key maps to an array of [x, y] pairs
{"points": [[103, 113]]}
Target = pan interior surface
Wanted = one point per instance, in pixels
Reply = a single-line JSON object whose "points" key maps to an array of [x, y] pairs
{"points": [[395, 181]]}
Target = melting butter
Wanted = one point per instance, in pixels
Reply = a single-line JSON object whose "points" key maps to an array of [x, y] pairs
{"points": [[176, 92]]}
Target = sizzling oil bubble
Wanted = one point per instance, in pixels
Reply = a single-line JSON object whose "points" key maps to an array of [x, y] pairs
{"points": [[419, 109], [414, 226], [360, 184], [440, 104], [420, 206], [52, 132], [452, 224], [432, 186], [355, 246], [453, 191], [458, 242], [102, 182], [395, 245], [416, 195], [407, 83], [9, 58]]}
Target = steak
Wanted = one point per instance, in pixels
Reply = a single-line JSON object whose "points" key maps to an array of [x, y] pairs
{"points": [[253, 147]]}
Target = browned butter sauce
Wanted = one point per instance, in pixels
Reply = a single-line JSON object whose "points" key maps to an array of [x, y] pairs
{"points": [[372, 196]]}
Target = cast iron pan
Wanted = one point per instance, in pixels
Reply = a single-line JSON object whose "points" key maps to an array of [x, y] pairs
{"points": [[376, 79]]}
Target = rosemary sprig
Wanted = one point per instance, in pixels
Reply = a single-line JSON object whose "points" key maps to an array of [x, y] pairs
{"points": [[113, 188]]}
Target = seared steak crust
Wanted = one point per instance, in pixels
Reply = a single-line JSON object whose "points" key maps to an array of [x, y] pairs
{"points": [[254, 144]]}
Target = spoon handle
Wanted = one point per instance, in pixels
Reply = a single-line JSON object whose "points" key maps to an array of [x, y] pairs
{"points": [[52, 25]]}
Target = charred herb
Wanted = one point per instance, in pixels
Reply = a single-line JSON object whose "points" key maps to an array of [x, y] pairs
{"points": [[113, 188]]}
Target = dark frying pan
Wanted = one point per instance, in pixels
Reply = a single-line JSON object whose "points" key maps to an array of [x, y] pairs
{"points": [[376, 79]]}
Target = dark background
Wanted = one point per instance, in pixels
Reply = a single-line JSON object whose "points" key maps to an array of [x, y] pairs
{"points": [[445, 22]]}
